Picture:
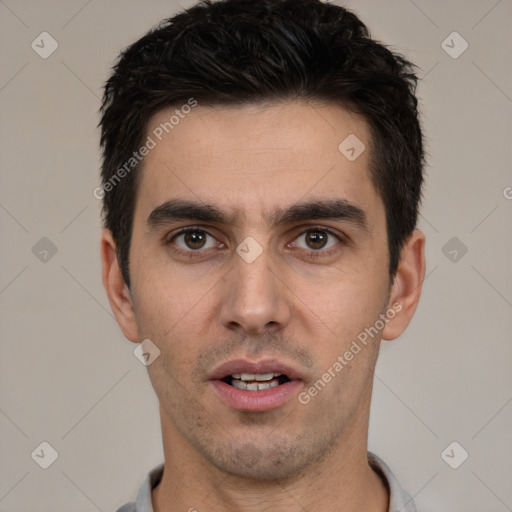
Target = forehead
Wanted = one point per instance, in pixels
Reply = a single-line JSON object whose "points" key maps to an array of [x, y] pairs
{"points": [[252, 159]]}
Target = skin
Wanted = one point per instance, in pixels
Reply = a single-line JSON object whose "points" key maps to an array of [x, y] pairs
{"points": [[206, 310]]}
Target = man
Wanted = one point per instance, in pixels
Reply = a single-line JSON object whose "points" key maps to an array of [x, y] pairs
{"points": [[262, 173]]}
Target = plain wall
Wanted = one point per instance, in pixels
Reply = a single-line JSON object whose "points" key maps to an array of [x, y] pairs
{"points": [[68, 376]]}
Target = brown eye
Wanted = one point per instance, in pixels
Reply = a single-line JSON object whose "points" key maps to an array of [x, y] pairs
{"points": [[318, 243], [316, 239], [194, 239]]}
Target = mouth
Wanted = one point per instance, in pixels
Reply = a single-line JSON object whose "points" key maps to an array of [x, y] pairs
{"points": [[255, 386], [255, 382]]}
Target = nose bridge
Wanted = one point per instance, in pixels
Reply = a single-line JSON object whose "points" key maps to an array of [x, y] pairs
{"points": [[254, 298], [255, 277]]}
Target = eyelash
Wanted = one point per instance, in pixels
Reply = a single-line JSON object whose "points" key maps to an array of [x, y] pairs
{"points": [[312, 254]]}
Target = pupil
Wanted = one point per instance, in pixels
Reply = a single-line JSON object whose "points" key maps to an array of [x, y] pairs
{"points": [[316, 237], [194, 239]]}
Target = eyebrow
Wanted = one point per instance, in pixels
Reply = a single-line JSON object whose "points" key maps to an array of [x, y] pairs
{"points": [[327, 209]]}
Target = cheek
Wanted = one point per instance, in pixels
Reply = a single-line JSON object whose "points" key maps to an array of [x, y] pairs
{"points": [[164, 298], [342, 308]]}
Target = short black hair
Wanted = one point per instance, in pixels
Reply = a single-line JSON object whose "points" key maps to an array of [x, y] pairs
{"points": [[236, 52]]}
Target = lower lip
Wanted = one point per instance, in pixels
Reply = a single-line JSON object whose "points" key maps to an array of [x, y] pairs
{"points": [[256, 401]]}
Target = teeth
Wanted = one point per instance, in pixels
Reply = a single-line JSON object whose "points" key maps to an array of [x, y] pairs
{"points": [[254, 381], [249, 377], [264, 376], [268, 385], [254, 386]]}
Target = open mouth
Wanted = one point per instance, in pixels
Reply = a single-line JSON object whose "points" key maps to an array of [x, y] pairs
{"points": [[255, 382], [260, 386]]}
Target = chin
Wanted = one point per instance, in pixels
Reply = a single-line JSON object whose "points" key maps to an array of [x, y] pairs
{"points": [[281, 459]]}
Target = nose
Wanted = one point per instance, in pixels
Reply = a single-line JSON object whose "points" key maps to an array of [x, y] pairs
{"points": [[255, 298]]}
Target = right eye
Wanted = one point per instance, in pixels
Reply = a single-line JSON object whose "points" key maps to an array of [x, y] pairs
{"points": [[191, 241]]}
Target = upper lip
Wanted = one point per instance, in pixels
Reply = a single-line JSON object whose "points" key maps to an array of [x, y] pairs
{"points": [[253, 367]]}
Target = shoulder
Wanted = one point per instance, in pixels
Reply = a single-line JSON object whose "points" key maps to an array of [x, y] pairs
{"points": [[143, 502], [399, 500], [128, 507]]}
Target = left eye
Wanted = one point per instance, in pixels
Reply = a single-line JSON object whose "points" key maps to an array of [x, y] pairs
{"points": [[317, 239]]}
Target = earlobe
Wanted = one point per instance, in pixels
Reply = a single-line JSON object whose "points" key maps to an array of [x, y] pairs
{"points": [[406, 288], [118, 292]]}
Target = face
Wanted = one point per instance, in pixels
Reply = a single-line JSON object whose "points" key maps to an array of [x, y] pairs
{"points": [[259, 287]]}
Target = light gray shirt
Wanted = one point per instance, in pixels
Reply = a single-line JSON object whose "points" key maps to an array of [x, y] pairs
{"points": [[399, 500]]}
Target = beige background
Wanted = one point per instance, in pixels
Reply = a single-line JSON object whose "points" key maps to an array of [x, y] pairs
{"points": [[67, 375]]}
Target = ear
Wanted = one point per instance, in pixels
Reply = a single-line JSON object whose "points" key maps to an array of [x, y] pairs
{"points": [[118, 293], [406, 288]]}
